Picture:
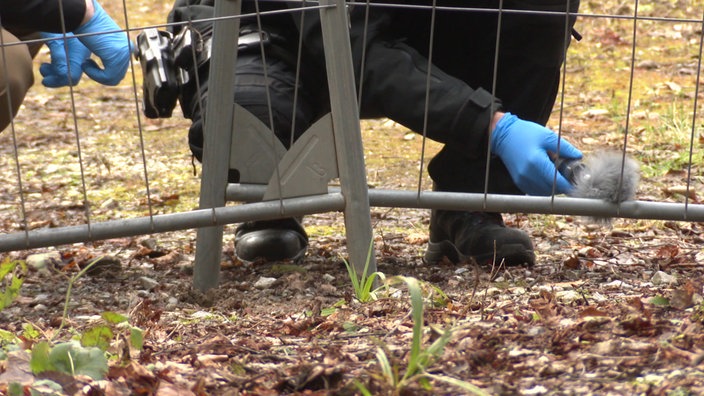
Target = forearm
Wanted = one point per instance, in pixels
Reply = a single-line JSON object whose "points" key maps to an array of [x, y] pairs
{"points": [[43, 15], [90, 10], [495, 119]]}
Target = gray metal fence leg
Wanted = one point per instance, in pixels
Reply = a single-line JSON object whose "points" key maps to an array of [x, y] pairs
{"points": [[218, 135], [348, 137]]}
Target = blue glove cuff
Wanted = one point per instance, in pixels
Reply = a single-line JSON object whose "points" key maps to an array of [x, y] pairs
{"points": [[110, 43], [93, 24], [499, 133]]}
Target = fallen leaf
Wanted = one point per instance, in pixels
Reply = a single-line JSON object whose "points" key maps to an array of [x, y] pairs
{"points": [[682, 190], [572, 262], [592, 311]]}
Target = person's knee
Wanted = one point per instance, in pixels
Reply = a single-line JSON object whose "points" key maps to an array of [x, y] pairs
{"points": [[16, 77], [270, 96], [273, 98]]}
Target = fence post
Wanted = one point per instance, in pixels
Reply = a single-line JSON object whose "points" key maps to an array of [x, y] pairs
{"points": [[217, 140], [347, 133]]}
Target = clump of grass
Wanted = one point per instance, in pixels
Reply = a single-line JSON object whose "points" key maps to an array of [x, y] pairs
{"points": [[363, 285], [672, 138], [420, 358]]}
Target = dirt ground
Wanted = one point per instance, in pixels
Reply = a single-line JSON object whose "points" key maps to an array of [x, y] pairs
{"points": [[582, 321], [608, 309]]}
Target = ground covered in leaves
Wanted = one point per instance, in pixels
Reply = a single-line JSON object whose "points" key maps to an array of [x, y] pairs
{"points": [[614, 311], [608, 309]]}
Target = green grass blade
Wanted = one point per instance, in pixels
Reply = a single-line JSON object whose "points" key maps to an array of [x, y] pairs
{"points": [[386, 368], [362, 389], [471, 389], [417, 314]]}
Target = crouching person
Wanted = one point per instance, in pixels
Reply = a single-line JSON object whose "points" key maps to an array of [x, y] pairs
{"points": [[484, 114]]}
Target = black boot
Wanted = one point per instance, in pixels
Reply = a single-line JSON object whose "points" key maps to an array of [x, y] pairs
{"points": [[461, 236], [271, 240]]}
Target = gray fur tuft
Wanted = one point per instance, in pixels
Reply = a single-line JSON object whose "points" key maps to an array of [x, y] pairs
{"points": [[600, 178]]}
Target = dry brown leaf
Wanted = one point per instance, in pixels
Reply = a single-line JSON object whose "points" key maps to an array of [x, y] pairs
{"points": [[592, 311], [682, 190]]}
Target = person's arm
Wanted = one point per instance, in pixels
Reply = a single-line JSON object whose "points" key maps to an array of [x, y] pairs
{"points": [[43, 15], [495, 119], [396, 86], [90, 10], [467, 119]]}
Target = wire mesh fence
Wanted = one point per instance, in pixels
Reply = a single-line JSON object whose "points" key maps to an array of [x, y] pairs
{"points": [[83, 164]]}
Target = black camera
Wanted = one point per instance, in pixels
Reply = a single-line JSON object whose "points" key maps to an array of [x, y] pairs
{"points": [[571, 169], [160, 84], [168, 61]]}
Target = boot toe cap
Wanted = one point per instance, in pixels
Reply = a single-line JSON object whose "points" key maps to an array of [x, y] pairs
{"points": [[271, 245]]}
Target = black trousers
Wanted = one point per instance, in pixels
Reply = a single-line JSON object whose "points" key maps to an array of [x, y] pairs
{"points": [[531, 51], [530, 54]]}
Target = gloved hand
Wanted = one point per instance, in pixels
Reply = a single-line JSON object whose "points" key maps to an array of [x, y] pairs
{"points": [[56, 73], [523, 146], [112, 48]]}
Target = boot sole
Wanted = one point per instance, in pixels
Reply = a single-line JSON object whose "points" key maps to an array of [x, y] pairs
{"points": [[510, 254]]}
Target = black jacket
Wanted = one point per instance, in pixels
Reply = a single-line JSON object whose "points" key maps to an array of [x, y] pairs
{"points": [[395, 73], [41, 15]]}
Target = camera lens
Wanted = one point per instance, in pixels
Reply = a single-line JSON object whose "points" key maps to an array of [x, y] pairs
{"points": [[571, 169]]}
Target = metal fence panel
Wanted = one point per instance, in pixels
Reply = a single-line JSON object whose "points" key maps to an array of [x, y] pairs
{"points": [[30, 222]]}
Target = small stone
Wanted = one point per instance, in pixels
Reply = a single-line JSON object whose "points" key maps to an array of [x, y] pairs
{"points": [[148, 283], [648, 64], [43, 297], [617, 284], [492, 291], [327, 289], [598, 297], [172, 303], [460, 271], [109, 203], [149, 243], [185, 267], [264, 283], [106, 266], [535, 331], [40, 307], [328, 278], [536, 390], [519, 352], [568, 296], [605, 347], [201, 315], [662, 278], [43, 261]]}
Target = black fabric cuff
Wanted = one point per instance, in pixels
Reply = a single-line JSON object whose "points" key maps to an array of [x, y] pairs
{"points": [[471, 125]]}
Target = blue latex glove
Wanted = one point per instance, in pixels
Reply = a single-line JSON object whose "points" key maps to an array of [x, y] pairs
{"points": [[112, 48], [523, 146], [64, 52]]}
